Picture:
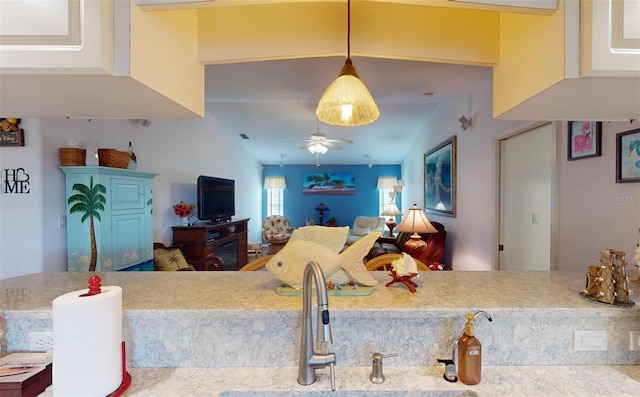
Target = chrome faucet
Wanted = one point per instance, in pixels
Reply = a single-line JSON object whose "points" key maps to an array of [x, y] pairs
{"points": [[310, 359]]}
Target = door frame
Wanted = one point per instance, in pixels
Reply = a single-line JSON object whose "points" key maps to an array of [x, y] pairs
{"points": [[513, 130]]}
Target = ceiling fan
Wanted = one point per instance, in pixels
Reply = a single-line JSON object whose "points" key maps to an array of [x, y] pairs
{"points": [[319, 143]]}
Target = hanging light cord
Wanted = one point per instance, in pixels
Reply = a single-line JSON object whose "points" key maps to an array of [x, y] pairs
{"points": [[348, 29]]}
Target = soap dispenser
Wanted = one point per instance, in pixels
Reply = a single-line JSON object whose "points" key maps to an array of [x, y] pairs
{"points": [[469, 354]]}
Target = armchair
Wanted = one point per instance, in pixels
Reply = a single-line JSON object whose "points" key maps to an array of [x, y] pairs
{"points": [[276, 230], [364, 225]]}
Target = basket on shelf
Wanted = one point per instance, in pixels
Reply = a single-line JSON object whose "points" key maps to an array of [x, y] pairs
{"points": [[72, 156], [113, 158]]}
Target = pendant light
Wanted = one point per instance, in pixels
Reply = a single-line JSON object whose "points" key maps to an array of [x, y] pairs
{"points": [[347, 101]]}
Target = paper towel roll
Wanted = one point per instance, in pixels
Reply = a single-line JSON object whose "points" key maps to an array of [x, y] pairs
{"points": [[87, 343]]}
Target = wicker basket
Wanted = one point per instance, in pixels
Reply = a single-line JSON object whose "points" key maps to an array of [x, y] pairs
{"points": [[72, 156], [113, 158]]}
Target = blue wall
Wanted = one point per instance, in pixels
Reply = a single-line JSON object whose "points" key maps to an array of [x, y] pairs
{"points": [[298, 207]]}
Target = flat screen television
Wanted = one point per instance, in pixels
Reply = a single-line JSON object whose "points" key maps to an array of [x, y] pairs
{"points": [[216, 199]]}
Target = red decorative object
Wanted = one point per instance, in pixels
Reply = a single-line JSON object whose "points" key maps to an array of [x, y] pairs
{"points": [[94, 285], [406, 280], [183, 209], [415, 246]]}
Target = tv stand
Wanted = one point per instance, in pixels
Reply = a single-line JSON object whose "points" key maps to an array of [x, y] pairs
{"points": [[227, 240]]}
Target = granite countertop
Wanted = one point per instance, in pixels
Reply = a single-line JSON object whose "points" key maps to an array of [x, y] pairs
{"points": [[534, 381], [439, 290], [442, 295]]}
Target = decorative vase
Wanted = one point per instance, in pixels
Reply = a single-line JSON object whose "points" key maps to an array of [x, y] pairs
{"points": [[185, 221]]}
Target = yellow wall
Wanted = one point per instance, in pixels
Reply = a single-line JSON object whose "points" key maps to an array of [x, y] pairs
{"points": [[294, 30], [164, 55], [531, 57]]}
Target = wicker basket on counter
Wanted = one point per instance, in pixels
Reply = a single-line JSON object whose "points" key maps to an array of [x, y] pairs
{"points": [[72, 156], [113, 158]]}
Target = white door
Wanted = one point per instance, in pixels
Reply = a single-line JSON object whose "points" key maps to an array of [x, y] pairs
{"points": [[526, 166]]}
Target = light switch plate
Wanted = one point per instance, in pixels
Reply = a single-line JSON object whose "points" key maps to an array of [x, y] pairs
{"points": [[590, 341]]}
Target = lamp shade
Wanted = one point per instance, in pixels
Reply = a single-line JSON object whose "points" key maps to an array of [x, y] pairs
{"points": [[347, 101], [321, 207], [387, 182], [416, 222], [275, 182], [391, 210]]}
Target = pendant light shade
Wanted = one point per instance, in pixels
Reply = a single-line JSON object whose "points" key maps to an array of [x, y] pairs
{"points": [[347, 101]]}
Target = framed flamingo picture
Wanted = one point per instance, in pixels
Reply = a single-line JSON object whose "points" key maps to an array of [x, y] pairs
{"points": [[628, 156], [585, 139]]}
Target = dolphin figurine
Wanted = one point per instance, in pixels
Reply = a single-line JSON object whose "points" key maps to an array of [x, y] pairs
{"points": [[289, 263]]}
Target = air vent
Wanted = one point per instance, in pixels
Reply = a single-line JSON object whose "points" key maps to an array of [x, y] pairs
{"points": [[244, 136]]}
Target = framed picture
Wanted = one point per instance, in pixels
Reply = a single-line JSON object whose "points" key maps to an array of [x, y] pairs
{"points": [[440, 178], [628, 156], [328, 183], [585, 139], [10, 132]]}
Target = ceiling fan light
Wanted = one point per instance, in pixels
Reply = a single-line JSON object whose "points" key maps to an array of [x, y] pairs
{"points": [[347, 101], [317, 148]]}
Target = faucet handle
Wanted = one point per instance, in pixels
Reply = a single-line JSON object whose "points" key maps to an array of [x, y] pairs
{"points": [[333, 377]]}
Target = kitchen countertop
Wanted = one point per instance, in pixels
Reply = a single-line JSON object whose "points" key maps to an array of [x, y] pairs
{"points": [[438, 290], [546, 299], [535, 381]]}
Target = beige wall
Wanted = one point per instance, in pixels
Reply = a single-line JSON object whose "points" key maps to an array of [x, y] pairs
{"points": [[595, 212]]}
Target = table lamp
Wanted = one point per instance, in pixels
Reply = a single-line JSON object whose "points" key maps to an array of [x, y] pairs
{"points": [[321, 208], [391, 211], [415, 222]]}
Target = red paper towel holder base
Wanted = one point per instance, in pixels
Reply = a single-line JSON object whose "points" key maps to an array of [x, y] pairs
{"points": [[126, 377]]}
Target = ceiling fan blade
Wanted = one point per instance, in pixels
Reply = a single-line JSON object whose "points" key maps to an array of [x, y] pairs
{"points": [[340, 140], [331, 145], [308, 145]]}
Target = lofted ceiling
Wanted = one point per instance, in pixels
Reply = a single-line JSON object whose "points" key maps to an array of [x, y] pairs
{"points": [[273, 103]]}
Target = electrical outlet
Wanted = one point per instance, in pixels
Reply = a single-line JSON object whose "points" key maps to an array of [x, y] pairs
{"points": [[40, 341], [62, 221], [590, 341], [634, 344]]}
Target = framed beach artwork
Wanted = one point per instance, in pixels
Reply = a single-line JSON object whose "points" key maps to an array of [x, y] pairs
{"points": [[585, 139], [440, 178], [628, 156], [328, 183]]}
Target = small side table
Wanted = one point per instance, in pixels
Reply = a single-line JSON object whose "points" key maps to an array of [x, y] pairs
{"points": [[386, 240]]}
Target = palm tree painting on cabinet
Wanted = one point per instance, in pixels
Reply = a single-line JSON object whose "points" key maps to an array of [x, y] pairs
{"points": [[89, 201]]}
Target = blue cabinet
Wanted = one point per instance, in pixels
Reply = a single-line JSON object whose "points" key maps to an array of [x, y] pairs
{"points": [[109, 218]]}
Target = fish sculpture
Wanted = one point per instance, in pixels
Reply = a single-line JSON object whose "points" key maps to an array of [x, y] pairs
{"points": [[289, 263]]}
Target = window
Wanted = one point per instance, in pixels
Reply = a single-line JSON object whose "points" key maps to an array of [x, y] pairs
{"points": [[385, 188], [275, 186], [384, 199], [275, 201]]}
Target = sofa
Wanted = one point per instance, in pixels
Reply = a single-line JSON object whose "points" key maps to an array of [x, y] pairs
{"points": [[432, 253], [364, 225]]}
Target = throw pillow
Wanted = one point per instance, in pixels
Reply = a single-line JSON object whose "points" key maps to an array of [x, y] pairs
{"points": [[169, 259]]}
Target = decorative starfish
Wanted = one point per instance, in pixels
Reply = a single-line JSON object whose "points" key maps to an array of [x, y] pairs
{"points": [[406, 280]]}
